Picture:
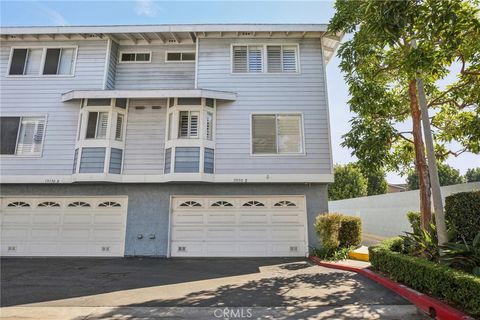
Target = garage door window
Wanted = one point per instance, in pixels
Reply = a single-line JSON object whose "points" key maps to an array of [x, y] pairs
{"points": [[49, 204], [109, 204], [190, 204], [253, 203], [18, 204], [222, 204], [285, 203], [78, 204]]}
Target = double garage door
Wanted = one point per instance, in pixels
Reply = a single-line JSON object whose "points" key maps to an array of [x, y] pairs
{"points": [[63, 226], [238, 226]]}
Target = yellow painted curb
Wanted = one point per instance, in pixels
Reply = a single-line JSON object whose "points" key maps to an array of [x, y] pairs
{"points": [[359, 254]]}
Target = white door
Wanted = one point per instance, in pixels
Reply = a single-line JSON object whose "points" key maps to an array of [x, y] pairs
{"points": [[256, 226], [63, 226]]}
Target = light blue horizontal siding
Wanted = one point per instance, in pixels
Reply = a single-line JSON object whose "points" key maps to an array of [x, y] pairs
{"points": [[27, 96], [157, 74], [303, 92], [92, 160]]}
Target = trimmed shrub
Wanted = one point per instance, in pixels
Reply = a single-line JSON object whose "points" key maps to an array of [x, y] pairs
{"points": [[350, 234], [462, 210], [328, 227], [450, 285]]}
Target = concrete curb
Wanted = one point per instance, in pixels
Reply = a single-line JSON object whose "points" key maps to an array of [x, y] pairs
{"points": [[425, 303]]}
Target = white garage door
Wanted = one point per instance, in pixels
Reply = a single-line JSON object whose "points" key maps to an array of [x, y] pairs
{"points": [[63, 226], [238, 226]]}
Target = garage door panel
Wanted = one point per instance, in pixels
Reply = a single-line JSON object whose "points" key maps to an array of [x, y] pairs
{"points": [[253, 234], [44, 234], [238, 226], [47, 218], [221, 218], [63, 226], [16, 218], [220, 233]]}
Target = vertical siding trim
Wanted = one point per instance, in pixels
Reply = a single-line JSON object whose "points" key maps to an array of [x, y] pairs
{"points": [[196, 62], [107, 63], [327, 105]]}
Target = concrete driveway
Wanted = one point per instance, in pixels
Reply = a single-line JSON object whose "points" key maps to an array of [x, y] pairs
{"points": [[135, 288]]}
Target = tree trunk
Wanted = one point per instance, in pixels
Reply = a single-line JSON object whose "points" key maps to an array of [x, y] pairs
{"points": [[420, 160]]}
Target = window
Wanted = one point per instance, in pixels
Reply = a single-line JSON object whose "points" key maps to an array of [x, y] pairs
{"points": [[284, 203], [277, 134], [181, 56], [49, 204], [22, 135], [18, 204], [119, 127], [97, 125], [98, 102], [79, 204], [281, 59], [189, 101], [222, 203], [188, 124], [109, 204], [187, 159], [190, 204], [253, 203], [28, 61], [209, 126], [59, 61], [247, 59], [131, 57]]}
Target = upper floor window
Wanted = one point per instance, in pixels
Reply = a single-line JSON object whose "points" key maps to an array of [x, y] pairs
{"points": [[180, 56], [265, 58], [188, 124], [22, 135], [99, 115], [42, 61], [277, 134], [131, 57], [97, 125]]}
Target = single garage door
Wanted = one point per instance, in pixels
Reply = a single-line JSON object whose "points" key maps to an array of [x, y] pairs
{"points": [[63, 226], [238, 226]]}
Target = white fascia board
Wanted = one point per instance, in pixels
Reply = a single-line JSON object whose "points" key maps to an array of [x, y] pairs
{"points": [[145, 94], [175, 177], [165, 28]]}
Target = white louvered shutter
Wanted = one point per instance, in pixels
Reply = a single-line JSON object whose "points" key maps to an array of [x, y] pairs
{"points": [[240, 59], [289, 58], [289, 134], [31, 136], [119, 127], [102, 125], [183, 124], [194, 115], [274, 59], [34, 59], [255, 59], [209, 126]]}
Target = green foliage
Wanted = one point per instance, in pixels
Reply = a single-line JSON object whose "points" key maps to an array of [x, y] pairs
{"points": [[349, 183], [328, 227], [332, 254], [462, 255], [446, 174], [472, 175], [350, 233], [422, 243], [376, 181], [462, 210], [379, 62], [450, 285], [413, 218]]}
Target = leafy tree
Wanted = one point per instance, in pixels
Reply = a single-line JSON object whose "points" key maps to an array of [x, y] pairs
{"points": [[349, 183], [472, 175], [446, 174], [380, 65], [377, 183]]}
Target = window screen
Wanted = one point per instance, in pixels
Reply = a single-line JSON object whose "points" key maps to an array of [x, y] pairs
{"points": [[180, 56], [17, 63], [264, 134], [30, 137], [8, 134], [34, 60]]}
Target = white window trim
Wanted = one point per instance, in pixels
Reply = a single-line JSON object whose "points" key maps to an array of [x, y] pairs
{"points": [[275, 155], [264, 59], [134, 52], [180, 61], [42, 63], [35, 155]]}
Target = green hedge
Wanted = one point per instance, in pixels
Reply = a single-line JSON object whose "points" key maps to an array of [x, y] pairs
{"points": [[462, 210], [328, 227], [453, 286], [350, 234]]}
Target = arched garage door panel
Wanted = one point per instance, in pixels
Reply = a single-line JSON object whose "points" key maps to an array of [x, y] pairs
{"points": [[252, 226], [63, 226]]}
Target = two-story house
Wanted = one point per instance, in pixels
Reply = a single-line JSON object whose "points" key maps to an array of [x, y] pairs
{"points": [[164, 140]]}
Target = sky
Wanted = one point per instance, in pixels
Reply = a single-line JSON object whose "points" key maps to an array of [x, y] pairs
{"points": [[58, 13]]}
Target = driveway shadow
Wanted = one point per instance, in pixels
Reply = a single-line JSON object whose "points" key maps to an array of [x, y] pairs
{"points": [[30, 280]]}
